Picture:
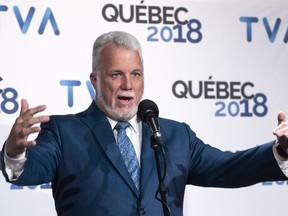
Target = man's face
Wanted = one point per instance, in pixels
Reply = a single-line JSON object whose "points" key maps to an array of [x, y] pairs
{"points": [[120, 84]]}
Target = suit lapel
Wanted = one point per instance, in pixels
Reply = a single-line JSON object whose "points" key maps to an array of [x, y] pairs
{"points": [[147, 162], [104, 137]]}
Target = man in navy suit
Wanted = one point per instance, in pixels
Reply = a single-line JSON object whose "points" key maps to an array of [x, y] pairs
{"points": [[80, 156]]}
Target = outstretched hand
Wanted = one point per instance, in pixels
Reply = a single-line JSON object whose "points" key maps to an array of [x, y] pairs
{"points": [[281, 131], [25, 124]]}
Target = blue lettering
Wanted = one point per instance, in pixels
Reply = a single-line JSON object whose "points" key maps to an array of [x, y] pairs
{"points": [[249, 21], [9, 104], [45, 186], [24, 25], [286, 36], [70, 84], [48, 16], [280, 183], [267, 183], [25, 22], [15, 187], [1, 89], [3, 8], [272, 33], [90, 89], [31, 187]]}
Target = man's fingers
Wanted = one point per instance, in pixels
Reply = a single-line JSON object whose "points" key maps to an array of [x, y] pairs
{"points": [[25, 132], [25, 111], [29, 143], [27, 119], [26, 123], [24, 106], [35, 120], [281, 132], [35, 110]]}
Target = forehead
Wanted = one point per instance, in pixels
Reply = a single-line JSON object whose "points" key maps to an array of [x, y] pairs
{"points": [[111, 49], [111, 54]]}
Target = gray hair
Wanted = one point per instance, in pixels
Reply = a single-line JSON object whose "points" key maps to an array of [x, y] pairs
{"points": [[117, 38]]}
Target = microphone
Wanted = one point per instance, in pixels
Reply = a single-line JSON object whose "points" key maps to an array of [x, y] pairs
{"points": [[148, 112]]}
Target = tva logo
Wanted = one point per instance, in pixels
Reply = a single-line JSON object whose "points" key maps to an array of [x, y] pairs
{"points": [[24, 22]]}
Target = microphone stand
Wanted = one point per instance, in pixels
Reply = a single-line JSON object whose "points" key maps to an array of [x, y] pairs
{"points": [[156, 145]]}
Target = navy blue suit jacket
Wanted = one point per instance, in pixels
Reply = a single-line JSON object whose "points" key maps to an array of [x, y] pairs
{"points": [[79, 155]]}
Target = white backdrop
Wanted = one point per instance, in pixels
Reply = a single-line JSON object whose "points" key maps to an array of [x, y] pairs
{"points": [[224, 72]]}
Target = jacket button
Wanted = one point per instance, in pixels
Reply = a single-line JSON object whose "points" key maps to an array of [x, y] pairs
{"points": [[142, 211]]}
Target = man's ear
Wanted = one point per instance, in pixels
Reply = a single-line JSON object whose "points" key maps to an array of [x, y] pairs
{"points": [[93, 79]]}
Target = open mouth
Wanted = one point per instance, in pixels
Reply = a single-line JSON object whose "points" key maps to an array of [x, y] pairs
{"points": [[125, 99]]}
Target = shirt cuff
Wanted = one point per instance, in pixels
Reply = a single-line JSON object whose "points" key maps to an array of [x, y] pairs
{"points": [[14, 166], [282, 163]]}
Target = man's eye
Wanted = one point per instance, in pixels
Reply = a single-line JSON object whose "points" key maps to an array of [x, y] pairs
{"points": [[136, 74], [116, 75]]}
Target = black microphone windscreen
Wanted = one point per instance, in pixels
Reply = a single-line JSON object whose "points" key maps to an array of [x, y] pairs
{"points": [[145, 107]]}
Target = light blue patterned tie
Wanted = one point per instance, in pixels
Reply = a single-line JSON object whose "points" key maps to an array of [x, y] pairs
{"points": [[128, 152]]}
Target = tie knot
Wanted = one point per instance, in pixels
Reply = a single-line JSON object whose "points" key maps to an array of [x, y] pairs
{"points": [[122, 126]]}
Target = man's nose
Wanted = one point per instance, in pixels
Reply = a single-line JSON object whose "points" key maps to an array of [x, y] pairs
{"points": [[127, 83]]}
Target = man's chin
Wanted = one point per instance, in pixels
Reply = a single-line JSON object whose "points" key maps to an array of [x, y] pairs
{"points": [[124, 114]]}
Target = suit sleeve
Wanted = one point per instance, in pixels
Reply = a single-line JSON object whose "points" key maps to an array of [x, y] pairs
{"points": [[211, 167], [42, 159]]}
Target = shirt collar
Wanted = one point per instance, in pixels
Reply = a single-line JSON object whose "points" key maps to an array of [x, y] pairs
{"points": [[134, 122]]}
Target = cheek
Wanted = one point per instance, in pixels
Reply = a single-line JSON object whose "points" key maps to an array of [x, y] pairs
{"points": [[108, 89], [140, 89]]}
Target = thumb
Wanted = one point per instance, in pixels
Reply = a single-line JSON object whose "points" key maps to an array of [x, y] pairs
{"points": [[281, 117]]}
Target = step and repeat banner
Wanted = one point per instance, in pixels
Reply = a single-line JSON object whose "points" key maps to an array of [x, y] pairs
{"points": [[218, 65]]}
